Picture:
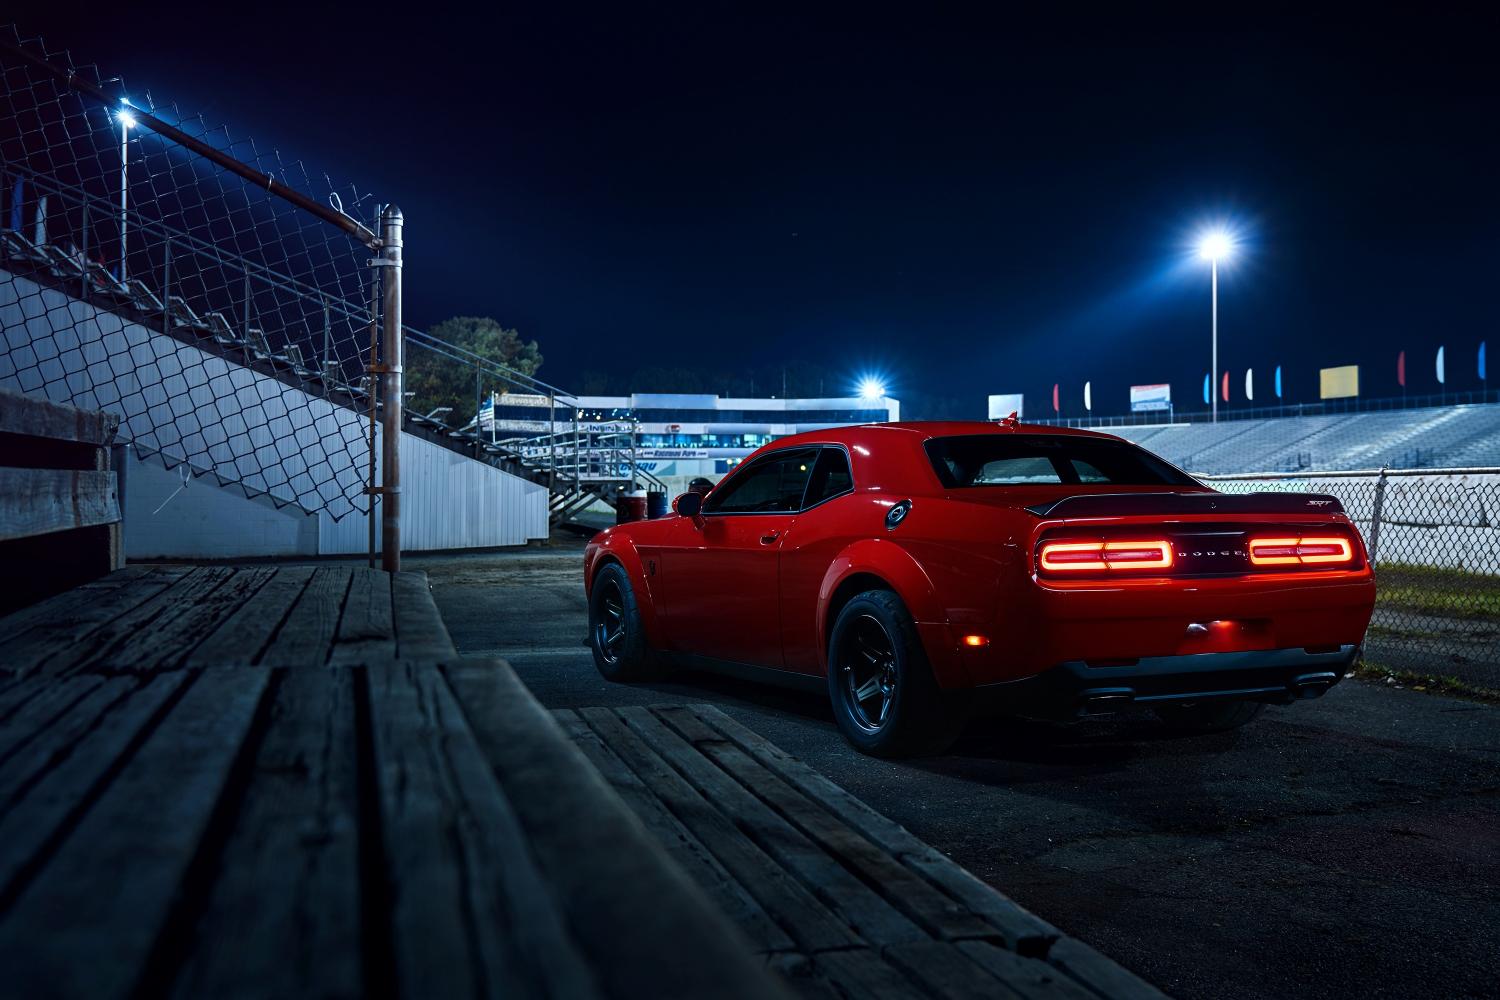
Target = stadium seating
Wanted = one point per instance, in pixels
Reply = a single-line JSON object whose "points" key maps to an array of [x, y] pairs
{"points": [[1445, 437]]}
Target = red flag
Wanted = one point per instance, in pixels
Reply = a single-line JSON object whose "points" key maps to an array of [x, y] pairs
{"points": [[1401, 369], [1055, 407], [1226, 387]]}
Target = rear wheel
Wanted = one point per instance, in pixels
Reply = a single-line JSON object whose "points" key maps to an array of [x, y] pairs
{"points": [[885, 699], [1209, 716], [616, 635]]}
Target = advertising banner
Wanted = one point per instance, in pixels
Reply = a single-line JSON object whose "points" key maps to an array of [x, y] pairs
{"points": [[1150, 397], [1004, 404], [1338, 383]]}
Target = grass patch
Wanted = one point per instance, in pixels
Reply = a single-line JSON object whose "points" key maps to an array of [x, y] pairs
{"points": [[1430, 683], [1430, 590]]}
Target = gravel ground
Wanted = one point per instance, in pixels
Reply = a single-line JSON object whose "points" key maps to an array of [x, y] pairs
{"points": [[1348, 846]]}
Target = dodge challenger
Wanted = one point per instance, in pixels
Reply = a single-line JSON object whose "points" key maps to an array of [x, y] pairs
{"points": [[921, 573]]}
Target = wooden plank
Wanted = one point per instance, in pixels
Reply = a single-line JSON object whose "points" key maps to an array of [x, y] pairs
{"points": [[38, 417], [52, 773], [598, 860], [48, 700], [420, 632], [804, 917], [86, 924], [1022, 931], [1030, 977], [908, 892], [168, 639], [863, 972], [873, 918], [70, 600], [1102, 975], [367, 628], [948, 972], [283, 916], [306, 635], [471, 915], [41, 501], [687, 850], [156, 614], [245, 634], [77, 624]]}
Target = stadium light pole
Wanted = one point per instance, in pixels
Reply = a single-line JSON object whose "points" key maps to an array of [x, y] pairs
{"points": [[1212, 247], [127, 122]]}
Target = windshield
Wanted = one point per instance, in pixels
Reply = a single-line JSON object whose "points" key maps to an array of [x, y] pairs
{"points": [[1040, 459]]}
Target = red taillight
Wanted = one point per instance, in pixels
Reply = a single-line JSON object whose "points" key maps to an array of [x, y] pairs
{"points": [[1304, 550], [1068, 557]]}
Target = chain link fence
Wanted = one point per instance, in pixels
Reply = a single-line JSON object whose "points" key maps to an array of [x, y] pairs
{"points": [[1434, 538], [216, 296]]}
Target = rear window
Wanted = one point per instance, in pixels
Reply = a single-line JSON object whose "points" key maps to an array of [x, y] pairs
{"points": [[1028, 459]]}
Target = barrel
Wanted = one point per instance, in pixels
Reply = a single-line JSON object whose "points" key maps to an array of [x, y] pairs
{"points": [[630, 507], [656, 504]]}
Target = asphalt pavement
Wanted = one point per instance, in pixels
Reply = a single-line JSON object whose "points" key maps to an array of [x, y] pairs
{"points": [[1348, 846]]}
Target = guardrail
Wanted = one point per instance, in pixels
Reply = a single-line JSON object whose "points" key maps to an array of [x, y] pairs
{"points": [[1434, 539]]}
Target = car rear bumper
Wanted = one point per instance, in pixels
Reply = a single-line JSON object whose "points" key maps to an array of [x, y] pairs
{"points": [[1075, 688]]}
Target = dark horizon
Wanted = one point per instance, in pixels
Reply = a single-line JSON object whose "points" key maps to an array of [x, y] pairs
{"points": [[961, 205]]}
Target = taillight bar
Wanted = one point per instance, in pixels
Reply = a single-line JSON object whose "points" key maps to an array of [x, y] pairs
{"points": [[1071, 557], [1303, 550]]}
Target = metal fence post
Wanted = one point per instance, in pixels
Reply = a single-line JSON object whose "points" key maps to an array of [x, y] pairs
{"points": [[391, 222], [1375, 515], [552, 438]]}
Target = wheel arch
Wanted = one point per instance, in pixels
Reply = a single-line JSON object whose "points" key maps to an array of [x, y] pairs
{"points": [[874, 564], [619, 550]]}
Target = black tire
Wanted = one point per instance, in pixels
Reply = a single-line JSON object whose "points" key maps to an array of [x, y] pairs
{"points": [[1209, 716], [616, 636], [873, 642]]}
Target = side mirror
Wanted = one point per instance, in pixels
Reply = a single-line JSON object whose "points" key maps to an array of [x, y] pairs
{"points": [[689, 504]]}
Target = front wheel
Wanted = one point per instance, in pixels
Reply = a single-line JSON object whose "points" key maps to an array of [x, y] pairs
{"points": [[616, 635], [885, 699]]}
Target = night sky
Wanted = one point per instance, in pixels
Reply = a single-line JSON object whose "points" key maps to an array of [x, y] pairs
{"points": [[967, 206]]}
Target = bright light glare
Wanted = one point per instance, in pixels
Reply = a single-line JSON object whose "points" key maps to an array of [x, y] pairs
{"points": [[126, 117], [871, 388], [1215, 245]]}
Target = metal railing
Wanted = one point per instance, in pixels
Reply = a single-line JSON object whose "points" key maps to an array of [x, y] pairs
{"points": [[155, 266], [1356, 404], [1434, 540]]}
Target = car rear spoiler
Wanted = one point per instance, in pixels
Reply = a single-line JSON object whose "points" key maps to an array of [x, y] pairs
{"points": [[1123, 504]]}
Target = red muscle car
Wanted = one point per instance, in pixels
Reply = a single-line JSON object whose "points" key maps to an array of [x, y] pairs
{"points": [[920, 572]]}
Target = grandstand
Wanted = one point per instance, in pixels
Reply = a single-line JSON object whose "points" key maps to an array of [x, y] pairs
{"points": [[1445, 437]]}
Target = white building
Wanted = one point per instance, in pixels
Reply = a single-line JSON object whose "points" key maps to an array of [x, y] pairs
{"points": [[682, 435]]}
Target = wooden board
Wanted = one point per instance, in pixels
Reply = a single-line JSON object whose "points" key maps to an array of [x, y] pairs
{"points": [[893, 916], [42, 501], [305, 636], [42, 418], [615, 887], [90, 909]]}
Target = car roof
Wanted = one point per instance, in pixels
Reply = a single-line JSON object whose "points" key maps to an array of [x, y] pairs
{"points": [[934, 429]]}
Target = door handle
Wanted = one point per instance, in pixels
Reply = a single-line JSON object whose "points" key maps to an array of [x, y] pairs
{"points": [[769, 537]]}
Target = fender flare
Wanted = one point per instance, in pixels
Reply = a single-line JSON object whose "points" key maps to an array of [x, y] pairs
{"points": [[621, 549], [900, 570]]}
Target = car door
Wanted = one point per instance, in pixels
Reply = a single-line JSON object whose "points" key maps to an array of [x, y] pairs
{"points": [[720, 579]]}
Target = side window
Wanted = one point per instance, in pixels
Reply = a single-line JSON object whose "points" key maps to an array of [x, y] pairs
{"points": [[1088, 472], [830, 476], [774, 483]]}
